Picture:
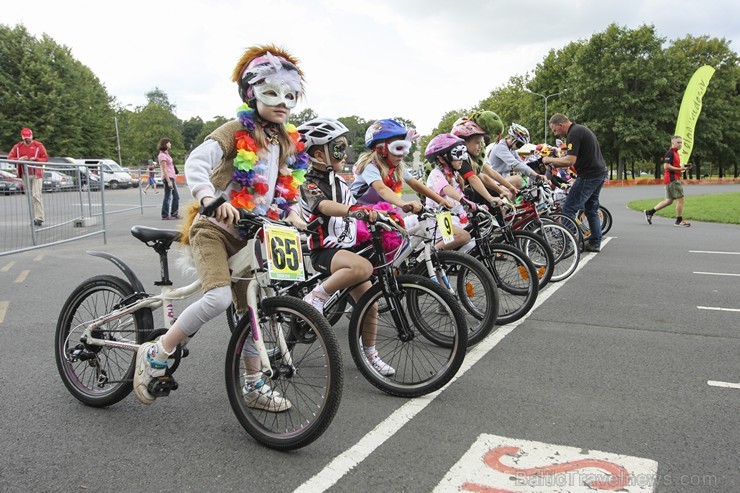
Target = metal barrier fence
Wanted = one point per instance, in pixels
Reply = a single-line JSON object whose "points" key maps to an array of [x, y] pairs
{"points": [[72, 205]]}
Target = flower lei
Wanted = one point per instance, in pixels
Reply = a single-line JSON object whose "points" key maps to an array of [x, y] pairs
{"points": [[252, 171]]}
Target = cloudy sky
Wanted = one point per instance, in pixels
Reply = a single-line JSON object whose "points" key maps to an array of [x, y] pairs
{"points": [[371, 58]]}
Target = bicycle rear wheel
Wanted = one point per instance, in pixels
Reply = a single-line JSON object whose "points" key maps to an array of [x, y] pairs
{"points": [[312, 384], [475, 289], [425, 343], [99, 376]]}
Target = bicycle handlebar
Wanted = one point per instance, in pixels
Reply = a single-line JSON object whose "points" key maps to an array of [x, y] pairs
{"points": [[249, 217]]}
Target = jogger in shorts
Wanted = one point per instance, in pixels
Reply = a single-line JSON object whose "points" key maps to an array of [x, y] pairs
{"points": [[673, 186]]}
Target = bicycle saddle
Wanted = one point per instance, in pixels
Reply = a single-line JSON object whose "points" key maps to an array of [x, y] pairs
{"points": [[163, 237]]}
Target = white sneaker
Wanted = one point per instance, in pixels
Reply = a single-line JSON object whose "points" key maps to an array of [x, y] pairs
{"points": [[147, 368], [381, 366], [261, 396], [316, 300]]}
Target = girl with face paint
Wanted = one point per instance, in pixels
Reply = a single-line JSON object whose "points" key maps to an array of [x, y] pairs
{"points": [[380, 173], [448, 153], [326, 195], [255, 161]]}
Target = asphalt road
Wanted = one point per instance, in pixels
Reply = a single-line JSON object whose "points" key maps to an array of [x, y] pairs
{"points": [[616, 359]]}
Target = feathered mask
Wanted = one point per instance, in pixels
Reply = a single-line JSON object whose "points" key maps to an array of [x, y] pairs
{"points": [[268, 69]]}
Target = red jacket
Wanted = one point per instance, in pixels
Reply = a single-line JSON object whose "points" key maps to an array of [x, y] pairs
{"points": [[22, 152]]}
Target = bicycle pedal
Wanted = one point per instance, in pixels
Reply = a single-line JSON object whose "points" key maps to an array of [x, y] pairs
{"points": [[162, 386]]}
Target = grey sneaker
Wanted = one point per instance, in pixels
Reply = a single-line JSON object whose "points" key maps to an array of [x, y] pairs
{"points": [[590, 247], [147, 368], [261, 396], [381, 366], [648, 217], [682, 224]]}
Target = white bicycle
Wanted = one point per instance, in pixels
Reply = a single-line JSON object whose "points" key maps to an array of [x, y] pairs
{"points": [[106, 318]]}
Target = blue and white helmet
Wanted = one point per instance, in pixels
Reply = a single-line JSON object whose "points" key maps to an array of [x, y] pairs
{"points": [[382, 130]]}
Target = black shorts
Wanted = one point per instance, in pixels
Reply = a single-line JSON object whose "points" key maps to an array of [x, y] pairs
{"points": [[321, 259]]}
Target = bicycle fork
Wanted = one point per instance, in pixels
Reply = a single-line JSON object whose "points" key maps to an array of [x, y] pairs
{"points": [[253, 289]]}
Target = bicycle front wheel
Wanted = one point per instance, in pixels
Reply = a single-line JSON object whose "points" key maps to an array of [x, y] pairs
{"points": [[99, 376], [312, 383], [421, 336], [516, 279], [537, 250], [565, 247], [474, 288], [606, 219]]}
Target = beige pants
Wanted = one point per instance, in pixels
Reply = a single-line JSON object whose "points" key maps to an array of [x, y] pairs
{"points": [[37, 199]]}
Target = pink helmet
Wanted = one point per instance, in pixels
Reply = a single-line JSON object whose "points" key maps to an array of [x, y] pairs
{"points": [[444, 144], [464, 128]]}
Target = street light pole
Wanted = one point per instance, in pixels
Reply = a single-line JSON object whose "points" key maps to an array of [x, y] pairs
{"points": [[118, 141], [545, 98]]}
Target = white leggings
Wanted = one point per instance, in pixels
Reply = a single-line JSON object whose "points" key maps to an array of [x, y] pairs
{"points": [[212, 304]]}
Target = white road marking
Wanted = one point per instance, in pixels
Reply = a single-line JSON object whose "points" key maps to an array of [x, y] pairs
{"points": [[7, 266], [511, 465], [717, 253], [22, 276], [3, 309], [349, 459], [717, 274], [717, 308], [728, 385]]}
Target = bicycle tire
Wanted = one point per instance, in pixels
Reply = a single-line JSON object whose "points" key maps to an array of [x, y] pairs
{"points": [[93, 298], [475, 289], [606, 219], [565, 247], [538, 251], [314, 388], [514, 275], [571, 224], [435, 349]]}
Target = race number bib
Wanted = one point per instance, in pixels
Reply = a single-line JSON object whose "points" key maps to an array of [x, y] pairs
{"points": [[284, 255], [444, 221]]}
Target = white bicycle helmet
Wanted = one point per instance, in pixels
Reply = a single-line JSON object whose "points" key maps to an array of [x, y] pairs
{"points": [[321, 131]]}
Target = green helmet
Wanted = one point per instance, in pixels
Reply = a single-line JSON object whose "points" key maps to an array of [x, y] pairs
{"points": [[488, 121]]}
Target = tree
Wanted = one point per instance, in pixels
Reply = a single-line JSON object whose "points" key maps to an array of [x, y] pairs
{"points": [[190, 130], [716, 137], [619, 89], [300, 118], [43, 87]]}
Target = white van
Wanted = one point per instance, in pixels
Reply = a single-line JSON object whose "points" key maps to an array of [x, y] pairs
{"points": [[113, 175]]}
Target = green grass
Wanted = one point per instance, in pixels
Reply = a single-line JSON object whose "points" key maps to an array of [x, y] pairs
{"points": [[712, 208]]}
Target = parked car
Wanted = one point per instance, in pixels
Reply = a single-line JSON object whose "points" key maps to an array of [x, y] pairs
{"points": [[9, 183], [55, 181], [81, 176], [113, 175]]}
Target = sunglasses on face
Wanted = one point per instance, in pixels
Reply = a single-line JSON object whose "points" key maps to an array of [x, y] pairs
{"points": [[518, 144]]}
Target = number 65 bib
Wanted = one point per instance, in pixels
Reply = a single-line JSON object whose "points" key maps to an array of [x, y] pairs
{"points": [[284, 255]]}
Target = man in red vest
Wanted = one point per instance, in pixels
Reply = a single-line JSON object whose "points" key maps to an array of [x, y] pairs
{"points": [[672, 181], [35, 152]]}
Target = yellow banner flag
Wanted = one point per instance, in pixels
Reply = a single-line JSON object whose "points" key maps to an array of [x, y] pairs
{"points": [[690, 109]]}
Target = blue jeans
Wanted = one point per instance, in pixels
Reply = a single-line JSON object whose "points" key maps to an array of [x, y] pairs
{"points": [[170, 190], [584, 194]]}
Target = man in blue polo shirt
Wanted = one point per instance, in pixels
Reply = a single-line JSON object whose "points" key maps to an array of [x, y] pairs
{"points": [[584, 154]]}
